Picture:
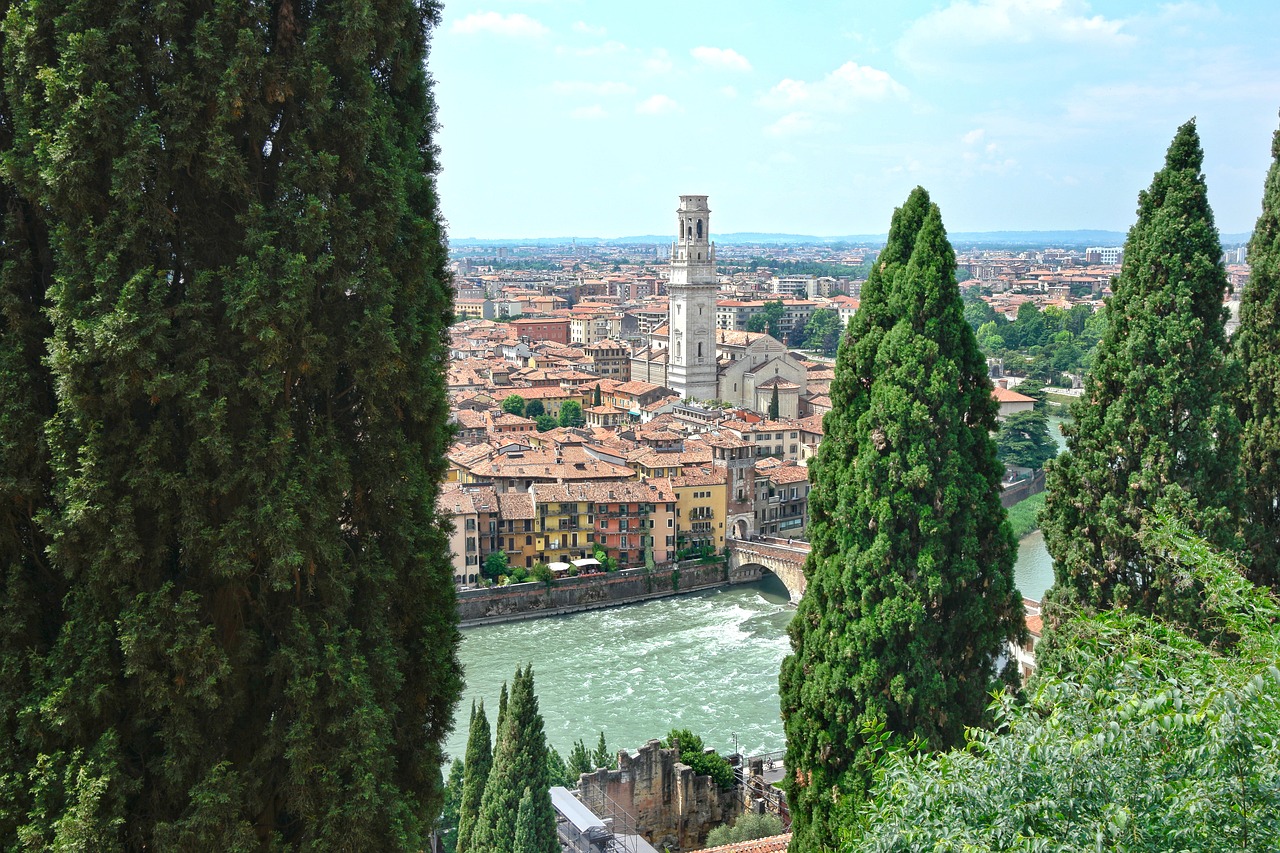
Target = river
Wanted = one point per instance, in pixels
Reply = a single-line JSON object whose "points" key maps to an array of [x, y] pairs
{"points": [[707, 662]]}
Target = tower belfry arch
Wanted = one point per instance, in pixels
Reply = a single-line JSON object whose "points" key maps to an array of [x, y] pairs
{"points": [[691, 290]]}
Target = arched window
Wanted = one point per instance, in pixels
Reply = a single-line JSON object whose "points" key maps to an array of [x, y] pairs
{"points": [[699, 349], [699, 229]]}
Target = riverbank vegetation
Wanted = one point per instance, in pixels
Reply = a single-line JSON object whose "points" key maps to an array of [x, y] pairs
{"points": [[1134, 736], [1024, 516]]}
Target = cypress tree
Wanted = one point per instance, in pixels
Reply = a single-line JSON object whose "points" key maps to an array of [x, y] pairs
{"points": [[447, 825], [1258, 347], [526, 838], [601, 757], [1153, 432], [479, 761], [910, 596], [519, 762], [774, 405], [502, 708], [30, 591], [248, 303]]}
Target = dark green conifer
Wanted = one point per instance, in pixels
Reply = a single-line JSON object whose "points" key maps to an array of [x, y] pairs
{"points": [[910, 596], [519, 761], [526, 839], [774, 404], [601, 757], [248, 300], [1153, 432], [479, 761], [447, 825], [30, 590], [1258, 346]]}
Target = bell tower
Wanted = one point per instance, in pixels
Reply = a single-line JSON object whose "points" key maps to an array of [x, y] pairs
{"points": [[691, 290]]}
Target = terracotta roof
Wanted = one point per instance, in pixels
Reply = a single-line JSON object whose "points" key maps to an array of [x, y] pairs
{"points": [[515, 505], [773, 844], [789, 474], [1004, 395], [656, 490]]}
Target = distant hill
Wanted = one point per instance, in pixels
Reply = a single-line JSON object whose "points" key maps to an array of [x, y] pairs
{"points": [[960, 239]]}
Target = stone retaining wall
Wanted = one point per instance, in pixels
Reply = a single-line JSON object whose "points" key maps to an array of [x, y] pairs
{"points": [[589, 592]]}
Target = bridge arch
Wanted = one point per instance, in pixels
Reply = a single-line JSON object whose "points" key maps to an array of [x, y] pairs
{"points": [[784, 558]]}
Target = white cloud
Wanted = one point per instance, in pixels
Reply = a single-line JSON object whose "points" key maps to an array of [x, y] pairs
{"points": [[657, 105], [966, 26], [589, 29], [595, 111], [659, 62], [728, 91], [721, 57], [974, 136], [791, 124], [840, 90], [603, 88], [516, 25]]}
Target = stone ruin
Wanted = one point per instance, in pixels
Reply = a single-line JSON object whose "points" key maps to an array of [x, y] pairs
{"points": [[660, 798]]}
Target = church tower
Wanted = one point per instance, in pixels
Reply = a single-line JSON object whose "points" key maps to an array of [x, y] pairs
{"points": [[691, 318]]}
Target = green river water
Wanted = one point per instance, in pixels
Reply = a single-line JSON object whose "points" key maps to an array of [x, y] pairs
{"points": [[707, 662]]}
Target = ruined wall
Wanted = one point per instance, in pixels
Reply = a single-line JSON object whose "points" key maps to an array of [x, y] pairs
{"points": [[660, 797], [587, 592]]}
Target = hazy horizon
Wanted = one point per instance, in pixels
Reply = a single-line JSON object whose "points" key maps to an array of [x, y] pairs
{"points": [[559, 117]]}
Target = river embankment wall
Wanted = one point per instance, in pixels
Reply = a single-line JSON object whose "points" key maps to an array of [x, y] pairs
{"points": [[590, 592]]}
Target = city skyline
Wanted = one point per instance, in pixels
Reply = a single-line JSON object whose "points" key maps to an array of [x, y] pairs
{"points": [[562, 119]]}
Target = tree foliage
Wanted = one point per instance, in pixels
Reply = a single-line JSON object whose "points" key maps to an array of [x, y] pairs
{"points": [[1134, 737], [447, 824], [1024, 440], [495, 565], [519, 763], [910, 595], [534, 409], [31, 590], [693, 753], [822, 331], [478, 763], [1153, 431], [580, 760], [748, 827], [571, 414], [1258, 347], [513, 405], [221, 235], [601, 756]]}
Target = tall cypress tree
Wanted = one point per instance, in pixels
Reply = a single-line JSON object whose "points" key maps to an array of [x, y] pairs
{"points": [[526, 837], [910, 597], [519, 762], [1153, 431], [30, 591], [1258, 347], [479, 761], [248, 306]]}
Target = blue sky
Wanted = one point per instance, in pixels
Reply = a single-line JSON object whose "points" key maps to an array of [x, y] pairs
{"points": [[577, 118]]}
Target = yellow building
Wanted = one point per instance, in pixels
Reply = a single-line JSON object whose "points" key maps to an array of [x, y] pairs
{"points": [[629, 520], [701, 507]]}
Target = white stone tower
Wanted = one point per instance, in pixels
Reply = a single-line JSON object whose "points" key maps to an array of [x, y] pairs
{"points": [[691, 318]]}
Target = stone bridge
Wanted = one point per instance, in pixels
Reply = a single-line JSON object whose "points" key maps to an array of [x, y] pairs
{"points": [[783, 557]]}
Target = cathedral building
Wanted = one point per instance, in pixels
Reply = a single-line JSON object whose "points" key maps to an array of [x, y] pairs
{"points": [[694, 359]]}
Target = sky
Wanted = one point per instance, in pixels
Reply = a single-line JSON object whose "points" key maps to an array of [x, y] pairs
{"points": [[588, 119]]}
